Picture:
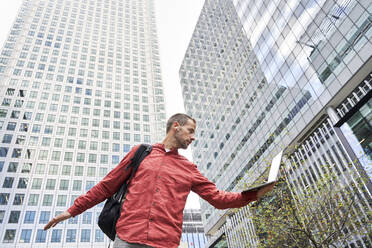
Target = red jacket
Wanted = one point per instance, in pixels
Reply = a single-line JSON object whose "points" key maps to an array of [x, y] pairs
{"points": [[153, 210]]}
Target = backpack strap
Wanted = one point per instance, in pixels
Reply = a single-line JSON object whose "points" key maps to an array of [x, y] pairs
{"points": [[142, 151]]}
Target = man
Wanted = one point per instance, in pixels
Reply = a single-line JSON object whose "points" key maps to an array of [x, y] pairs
{"points": [[152, 212]]}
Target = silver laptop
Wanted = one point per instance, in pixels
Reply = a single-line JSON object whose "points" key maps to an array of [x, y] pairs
{"points": [[273, 174]]}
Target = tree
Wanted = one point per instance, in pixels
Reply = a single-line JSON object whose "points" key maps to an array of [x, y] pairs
{"points": [[327, 213]]}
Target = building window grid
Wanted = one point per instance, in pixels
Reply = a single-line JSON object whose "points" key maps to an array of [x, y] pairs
{"points": [[322, 141], [40, 171]]}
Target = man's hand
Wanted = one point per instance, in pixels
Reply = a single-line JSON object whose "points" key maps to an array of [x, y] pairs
{"points": [[263, 191], [61, 217]]}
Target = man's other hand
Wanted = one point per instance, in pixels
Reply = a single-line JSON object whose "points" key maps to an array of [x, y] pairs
{"points": [[61, 217], [263, 191]]}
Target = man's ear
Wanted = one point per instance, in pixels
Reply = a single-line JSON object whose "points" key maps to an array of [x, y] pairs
{"points": [[176, 125]]}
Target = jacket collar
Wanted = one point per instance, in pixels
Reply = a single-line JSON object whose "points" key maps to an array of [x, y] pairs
{"points": [[162, 147]]}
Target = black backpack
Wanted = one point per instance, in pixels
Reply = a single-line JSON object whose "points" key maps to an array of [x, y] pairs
{"points": [[112, 208]]}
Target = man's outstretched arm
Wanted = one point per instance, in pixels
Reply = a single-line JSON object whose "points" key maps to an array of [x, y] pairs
{"points": [[221, 199], [104, 189]]}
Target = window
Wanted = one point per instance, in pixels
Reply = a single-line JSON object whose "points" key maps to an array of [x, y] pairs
{"points": [[91, 171], [116, 135], [136, 127], [44, 217], [29, 217], [13, 166], [26, 168], [63, 185], [61, 200], [105, 146], [48, 199], [79, 170], [21, 139], [22, 183], [60, 131], [45, 141], [40, 169], [51, 118], [83, 132], [50, 184], [53, 169], [126, 148], [14, 216], [8, 182], [7, 138], [43, 155], [104, 158], [39, 117], [72, 131], [99, 236], [87, 218], [85, 235], [56, 155], [116, 147], [48, 130], [94, 134], [56, 236], [33, 200], [25, 236], [2, 213], [106, 123], [11, 126], [70, 143], [16, 153], [18, 199], [36, 183], [89, 185], [82, 144], [68, 156], [66, 170], [3, 151], [9, 236], [40, 236], [102, 172], [76, 186], [115, 159], [71, 235], [58, 142], [4, 197], [36, 128]]}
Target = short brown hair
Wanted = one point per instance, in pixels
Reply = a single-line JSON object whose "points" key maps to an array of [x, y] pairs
{"points": [[180, 118]]}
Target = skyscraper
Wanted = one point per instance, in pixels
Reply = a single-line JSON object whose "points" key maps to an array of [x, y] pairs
{"points": [[80, 85], [192, 229], [260, 76]]}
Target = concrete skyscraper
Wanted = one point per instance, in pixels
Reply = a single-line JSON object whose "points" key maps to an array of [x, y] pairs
{"points": [[80, 85], [260, 76], [192, 229]]}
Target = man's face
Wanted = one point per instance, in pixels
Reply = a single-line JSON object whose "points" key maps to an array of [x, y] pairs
{"points": [[185, 134]]}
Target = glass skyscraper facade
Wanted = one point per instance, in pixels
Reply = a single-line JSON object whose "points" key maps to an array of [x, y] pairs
{"points": [[80, 85], [260, 76], [193, 229]]}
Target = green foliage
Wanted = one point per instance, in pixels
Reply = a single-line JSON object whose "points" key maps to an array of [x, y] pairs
{"points": [[320, 215]]}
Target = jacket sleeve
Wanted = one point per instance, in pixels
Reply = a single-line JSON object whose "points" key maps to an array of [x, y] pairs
{"points": [[218, 198], [106, 187]]}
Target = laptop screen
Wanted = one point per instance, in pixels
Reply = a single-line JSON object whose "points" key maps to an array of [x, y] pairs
{"points": [[274, 170]]}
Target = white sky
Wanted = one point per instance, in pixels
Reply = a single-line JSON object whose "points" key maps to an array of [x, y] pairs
{"points": [[176, 20]]}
